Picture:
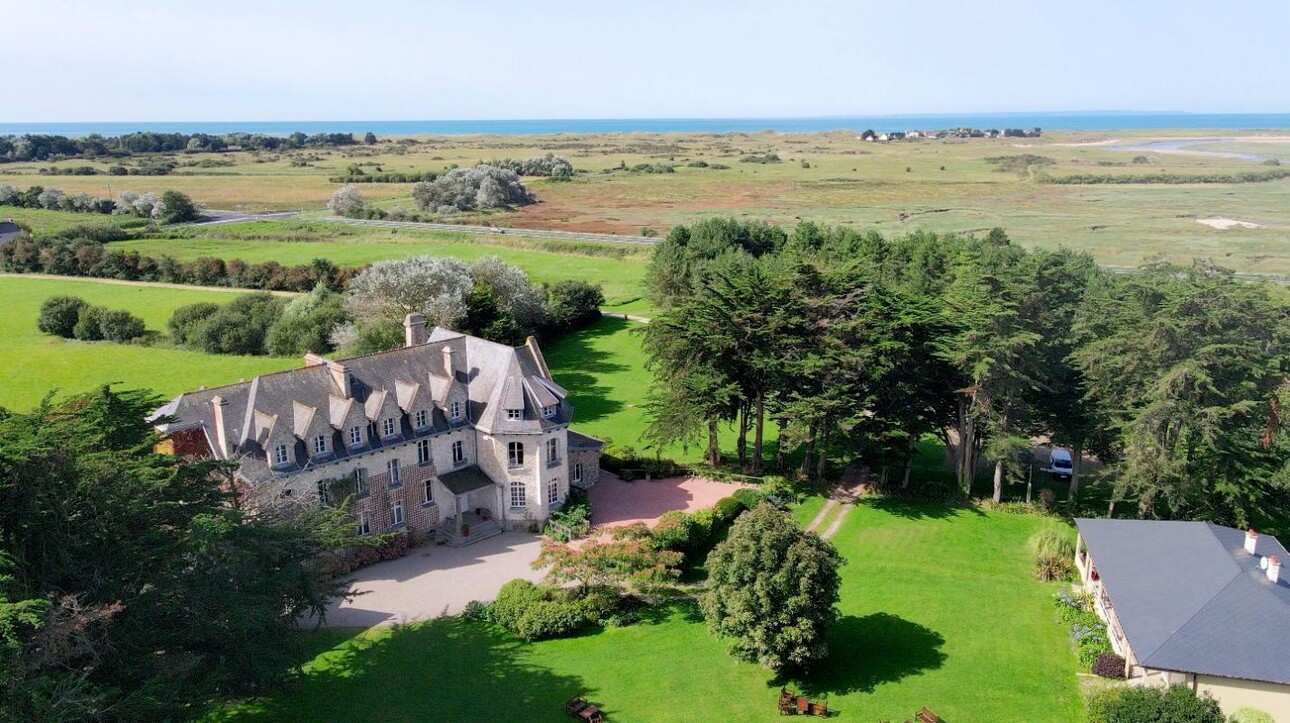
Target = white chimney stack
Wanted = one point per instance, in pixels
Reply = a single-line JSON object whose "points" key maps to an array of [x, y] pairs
{"points": [[1274, 569], [1251, 541], [414, 330]]}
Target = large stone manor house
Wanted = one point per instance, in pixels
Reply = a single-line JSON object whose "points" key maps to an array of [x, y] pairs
{"points": [[448, 432]]}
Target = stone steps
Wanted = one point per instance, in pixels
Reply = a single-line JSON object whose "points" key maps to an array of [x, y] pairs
{"points": [[479, 530]]}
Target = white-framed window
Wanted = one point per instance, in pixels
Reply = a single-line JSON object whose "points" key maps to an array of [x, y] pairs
{"points": [[519, 496], [355, 436], [324, 492], [549, 412], [396, 514], [360, 482], [388, 426], [454, 411], [577, 472], [458, 452], [364, 523], [553, 451], [428, 495], [514, 413], [515, 454], [421, 419], [280, 455], [553, 492], [392, 467], [320, 444], [423, 451]]}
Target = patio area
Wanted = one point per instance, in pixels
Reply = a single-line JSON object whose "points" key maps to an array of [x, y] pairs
{"points": [[615, 503]]}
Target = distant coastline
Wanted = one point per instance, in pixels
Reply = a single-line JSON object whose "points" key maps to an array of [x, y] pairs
{"points": [[1073, 121]]}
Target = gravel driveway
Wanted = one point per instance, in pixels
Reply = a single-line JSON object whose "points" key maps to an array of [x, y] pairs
{"points": [[435, 580]]}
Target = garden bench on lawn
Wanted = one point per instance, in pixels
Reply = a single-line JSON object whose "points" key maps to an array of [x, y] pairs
{"points": [[927, 716]]}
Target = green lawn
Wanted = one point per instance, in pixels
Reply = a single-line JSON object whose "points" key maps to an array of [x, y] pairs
{"points": [[938, 609], [35, 363]]}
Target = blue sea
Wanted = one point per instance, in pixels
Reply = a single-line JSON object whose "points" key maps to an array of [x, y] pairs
{"points": [[1091, 121]]}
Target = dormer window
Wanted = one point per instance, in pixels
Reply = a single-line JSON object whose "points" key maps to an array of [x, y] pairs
{"points": [[454, 411], [320, 444], [387, 426], [514, 413], [355, 436], [281, 456], [549, 412], [421, 419]]}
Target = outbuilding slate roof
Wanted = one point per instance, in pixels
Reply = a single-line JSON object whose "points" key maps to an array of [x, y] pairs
{"points": [[1191, 600]]}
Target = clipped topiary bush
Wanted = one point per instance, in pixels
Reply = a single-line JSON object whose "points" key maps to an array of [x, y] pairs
{"points": [[727, 509], [549, 619], [1133, 704], [749, 498], [1251, 715]]}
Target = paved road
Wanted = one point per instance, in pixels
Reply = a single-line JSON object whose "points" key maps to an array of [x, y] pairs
{"points": [[214, 217]]}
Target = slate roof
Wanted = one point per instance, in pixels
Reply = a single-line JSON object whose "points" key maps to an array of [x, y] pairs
{"points": [[466, 479], [1191, 600], [582, 441], [291, 407]]}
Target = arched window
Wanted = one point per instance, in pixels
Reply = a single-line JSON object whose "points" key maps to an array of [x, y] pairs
{"points": [[519, 496]]}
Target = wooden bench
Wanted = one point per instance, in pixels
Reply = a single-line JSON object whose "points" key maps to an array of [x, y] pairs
{"points": [[927, 716]]}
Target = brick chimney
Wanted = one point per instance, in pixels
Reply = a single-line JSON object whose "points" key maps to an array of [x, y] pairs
{"points": [[414, 330], [218, 404], [1251, 541], [1274, 569]]}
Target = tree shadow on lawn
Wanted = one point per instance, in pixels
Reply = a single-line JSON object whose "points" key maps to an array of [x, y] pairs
{"points": [[576, 366], [865, 652], [922, 510], [446, 669]]}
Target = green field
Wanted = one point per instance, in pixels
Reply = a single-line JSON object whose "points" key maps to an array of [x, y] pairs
{"points": [[620, 271], [36, 363], [943, 185], [938, 609]]}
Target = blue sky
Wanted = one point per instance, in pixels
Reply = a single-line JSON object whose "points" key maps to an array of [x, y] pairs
{"points": [[450, 59]]}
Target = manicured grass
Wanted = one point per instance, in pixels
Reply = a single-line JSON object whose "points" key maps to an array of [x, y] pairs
{"points": [[938, 609], [36, 363]]}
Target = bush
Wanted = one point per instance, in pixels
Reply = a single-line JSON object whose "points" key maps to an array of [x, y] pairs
{"points": [[534, 612], [727, 509], [550, 619], [120, 326], [1053, 568], [574, 304], [184, 322], [87, 324], [511, 602], [466, 189], [1109, 665], [1132, 704], [1251, 715], [749, 498], [58, 315], [178, 207]]}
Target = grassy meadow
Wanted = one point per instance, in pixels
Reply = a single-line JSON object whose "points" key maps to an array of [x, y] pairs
{"points": [[919, 584], [35, 363], [618, 268], [937, 184]]}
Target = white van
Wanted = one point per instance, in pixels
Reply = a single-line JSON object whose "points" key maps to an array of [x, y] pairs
{"points": [[1061, 464]]}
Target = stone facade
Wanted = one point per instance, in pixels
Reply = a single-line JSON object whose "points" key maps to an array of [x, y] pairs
{"points": [[416, 436]]}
